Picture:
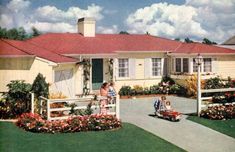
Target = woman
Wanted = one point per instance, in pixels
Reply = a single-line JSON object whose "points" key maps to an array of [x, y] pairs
{"points": [[104, 92]]}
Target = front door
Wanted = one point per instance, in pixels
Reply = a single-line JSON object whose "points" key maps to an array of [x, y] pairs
{"points": [[97, 73]]}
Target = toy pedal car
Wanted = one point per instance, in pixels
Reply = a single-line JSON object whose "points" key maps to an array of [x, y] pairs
{"points": [[170, 115]]}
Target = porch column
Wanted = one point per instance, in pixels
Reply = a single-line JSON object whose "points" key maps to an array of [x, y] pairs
{"points": [[115, 66]]}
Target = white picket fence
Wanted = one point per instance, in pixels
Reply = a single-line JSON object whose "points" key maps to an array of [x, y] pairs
{"points": [[76, 101], [209, 98]]}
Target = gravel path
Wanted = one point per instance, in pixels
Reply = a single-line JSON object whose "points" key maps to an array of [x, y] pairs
{"points": [[185, 134]]}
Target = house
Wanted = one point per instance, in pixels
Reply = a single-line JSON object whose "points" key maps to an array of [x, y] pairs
{"points": [[230, 43], [134, 59]]}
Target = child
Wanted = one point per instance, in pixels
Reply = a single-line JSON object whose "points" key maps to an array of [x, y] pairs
{"points": [[168, 105], [159, 105], [112, 92]]}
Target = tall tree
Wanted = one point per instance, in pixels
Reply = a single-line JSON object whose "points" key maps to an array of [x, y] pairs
{"points": [[207, 41], [187, 40], [35, 32], [123, 32], [177, 39]]}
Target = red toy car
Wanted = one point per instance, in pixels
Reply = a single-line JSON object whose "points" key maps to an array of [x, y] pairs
{"points": [[170, 114]]}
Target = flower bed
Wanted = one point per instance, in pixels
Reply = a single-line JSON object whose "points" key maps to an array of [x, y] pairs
{"points": [[221, 112], [34, 123]]}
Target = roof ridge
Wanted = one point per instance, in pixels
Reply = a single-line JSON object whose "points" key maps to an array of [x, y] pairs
{"points": [[6, 41]]}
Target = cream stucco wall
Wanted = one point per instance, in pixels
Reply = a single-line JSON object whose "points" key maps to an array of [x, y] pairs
{"points": [[139, 78], [226, 66], [23, 69], [77, 77]]}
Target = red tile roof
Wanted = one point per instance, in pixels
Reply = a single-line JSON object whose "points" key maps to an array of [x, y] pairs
{"points": [[21, 47], [193, 48], [74, 43], [7, 49]]}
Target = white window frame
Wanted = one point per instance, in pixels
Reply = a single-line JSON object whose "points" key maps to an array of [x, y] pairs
{"points": [[161, 67], [210, 65], [181, 64], [128, 70]]}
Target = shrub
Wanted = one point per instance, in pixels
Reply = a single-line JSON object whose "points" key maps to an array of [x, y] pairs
{"points": [[191, 85], [40, 87], [81, 112], [214, 83], [34, 123], [137, 90], [5, 109], [220, 112], [154, 89], [125, 91], [18, 97]]}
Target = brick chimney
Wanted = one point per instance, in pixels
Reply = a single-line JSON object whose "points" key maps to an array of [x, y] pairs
{"points": [[86, 26]]}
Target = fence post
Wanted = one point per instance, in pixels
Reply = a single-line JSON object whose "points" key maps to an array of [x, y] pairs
{"points": [[48, 110], [118, 107], [32, 102], [40, 106]]}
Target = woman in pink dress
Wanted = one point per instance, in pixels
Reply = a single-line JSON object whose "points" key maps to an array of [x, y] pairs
{"points": [[104, 92]]}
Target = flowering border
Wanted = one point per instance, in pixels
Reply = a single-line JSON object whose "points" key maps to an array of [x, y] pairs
{"points": [[34, 123]]}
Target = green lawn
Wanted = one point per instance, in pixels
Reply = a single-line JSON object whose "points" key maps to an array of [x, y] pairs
{"points": [[224, 126], [127, 139]]}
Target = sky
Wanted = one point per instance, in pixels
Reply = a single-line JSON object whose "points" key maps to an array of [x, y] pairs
{"points": [[196, 19]]}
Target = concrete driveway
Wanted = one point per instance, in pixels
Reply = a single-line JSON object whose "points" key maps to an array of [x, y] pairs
{"points": [[185, 134]]}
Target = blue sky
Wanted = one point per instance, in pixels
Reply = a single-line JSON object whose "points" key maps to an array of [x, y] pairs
{"points": [[196, 19]]}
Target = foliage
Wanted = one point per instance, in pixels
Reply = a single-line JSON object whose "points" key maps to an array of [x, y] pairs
{"points": [[5, 109], [123, 32], [40, 87], [155, 89], [125, 91], [220, 112], [18, 33], [177, 39], [137, 90], [57, 95], [214, 83], [177, 89], [166, 86], [191, 85], [86, 75], [110, 69], [207, 41], [36, 32], [187, 40], [18, 97], [81, 112], [34, 123]]}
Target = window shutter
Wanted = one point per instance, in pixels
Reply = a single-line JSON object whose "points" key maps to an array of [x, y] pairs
{"points": [[214, 65], [147, 68], [132, 68]]}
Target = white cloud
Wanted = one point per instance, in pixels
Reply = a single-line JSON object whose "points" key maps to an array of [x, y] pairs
{"points": [[47, 18], [108, 30], [195, 19]]}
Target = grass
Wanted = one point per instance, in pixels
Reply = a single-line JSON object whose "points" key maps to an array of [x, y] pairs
{"points": [[127, 139], [224, 126]]}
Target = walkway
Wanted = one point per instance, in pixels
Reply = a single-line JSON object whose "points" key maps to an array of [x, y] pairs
{"points": [[185, 134]]}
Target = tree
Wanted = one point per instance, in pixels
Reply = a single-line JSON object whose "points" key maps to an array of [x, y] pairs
{"points": [[40, 87], [187, 40], [123, 32], [177, 39], [21, 35], [207, 41], [35, 32]]}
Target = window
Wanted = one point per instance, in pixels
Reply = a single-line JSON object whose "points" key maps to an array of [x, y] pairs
{"points": [[185, 64], [194, 66], [207, 64], [123, 68], [156, 66], [178, 65]]}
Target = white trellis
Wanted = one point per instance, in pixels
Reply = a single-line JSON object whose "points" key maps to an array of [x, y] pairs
{"points": [[87, 99], [210, 97]]}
